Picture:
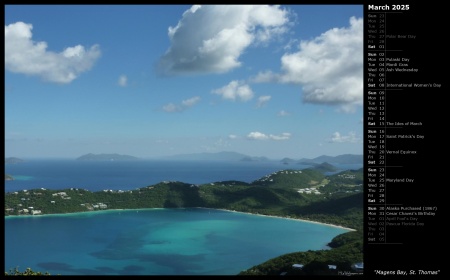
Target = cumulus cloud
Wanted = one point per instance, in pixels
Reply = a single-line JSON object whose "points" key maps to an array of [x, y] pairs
{"points": [[232, 136], [350, 138], [262, 100], [211, 38], [23, 55], [123, 81], [185, 104], [257, 136], [329, 67], [261, 136], [235, 90]]}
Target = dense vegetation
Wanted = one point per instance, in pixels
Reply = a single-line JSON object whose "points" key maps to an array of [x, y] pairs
{"points": [[305, 194], [26, 272], [348, 250]]}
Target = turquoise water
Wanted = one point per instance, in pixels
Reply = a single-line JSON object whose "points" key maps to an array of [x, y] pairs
{"points": [[155, 241], [23, 177]]}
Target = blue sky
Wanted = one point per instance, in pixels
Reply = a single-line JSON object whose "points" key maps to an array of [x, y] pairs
{"points": [[156, 80]]}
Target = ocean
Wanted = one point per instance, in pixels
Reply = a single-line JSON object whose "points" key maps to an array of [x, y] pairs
{"points": [[129, 175], [149, 241]]}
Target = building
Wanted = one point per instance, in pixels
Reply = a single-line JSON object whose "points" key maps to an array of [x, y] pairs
{"points": [[358, 266]]}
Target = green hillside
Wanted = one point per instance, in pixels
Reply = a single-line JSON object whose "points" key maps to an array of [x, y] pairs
{"points": [[291, 178], [321, 262]]}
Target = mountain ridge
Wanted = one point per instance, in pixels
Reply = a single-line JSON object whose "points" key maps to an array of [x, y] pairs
{"points": [[235, 156]]}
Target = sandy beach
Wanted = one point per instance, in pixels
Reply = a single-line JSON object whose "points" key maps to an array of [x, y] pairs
{"points": [[137, 209], [279, 217]]}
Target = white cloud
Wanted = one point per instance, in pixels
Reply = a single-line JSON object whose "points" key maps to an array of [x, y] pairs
{"points": [[257, 136], [265, 77], [232, 136], [350, 138], [235, 90], [123, 81], [211, 38], [190, 102], [283, 136], [329, 68], [23, 55], [261, 136], [262, 100], [283, 113], [185, 104], [172, 108]]}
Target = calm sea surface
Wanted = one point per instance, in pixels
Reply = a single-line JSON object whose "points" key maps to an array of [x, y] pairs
{"points": [[128, 175], [153, 241]]}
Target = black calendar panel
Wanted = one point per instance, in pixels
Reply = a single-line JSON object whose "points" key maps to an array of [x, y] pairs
{"points": [[403, 95]]}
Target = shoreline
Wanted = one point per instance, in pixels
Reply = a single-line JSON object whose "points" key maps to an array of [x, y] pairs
{"points": [[279, 217], [137, 209]]}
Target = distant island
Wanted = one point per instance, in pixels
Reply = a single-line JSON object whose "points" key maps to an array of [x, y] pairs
{"points": [[341, 159], [248, 158], [13, 160], [234, 156], [220, 156], [107, 157]]}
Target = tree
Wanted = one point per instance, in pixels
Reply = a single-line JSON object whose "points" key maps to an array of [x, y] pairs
{"points": [[26, 272]]}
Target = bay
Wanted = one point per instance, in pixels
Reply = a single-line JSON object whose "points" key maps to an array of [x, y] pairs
{"points": [[156, 241], [152, 241]]}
